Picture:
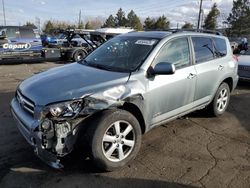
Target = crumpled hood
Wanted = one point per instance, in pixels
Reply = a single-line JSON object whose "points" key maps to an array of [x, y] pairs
{"points": [[69, 82], [244, 60]]}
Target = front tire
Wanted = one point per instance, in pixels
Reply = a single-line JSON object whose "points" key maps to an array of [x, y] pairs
{"points": [[115, 139], [221, 100]]}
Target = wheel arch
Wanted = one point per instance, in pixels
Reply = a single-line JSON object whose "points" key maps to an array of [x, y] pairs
{"points": [[229, 81], [135, 111]]}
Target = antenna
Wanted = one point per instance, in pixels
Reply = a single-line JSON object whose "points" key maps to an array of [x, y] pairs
{"points": [[80, 17]]}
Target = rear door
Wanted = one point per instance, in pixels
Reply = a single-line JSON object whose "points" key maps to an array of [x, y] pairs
{"points": [[209, 66]]}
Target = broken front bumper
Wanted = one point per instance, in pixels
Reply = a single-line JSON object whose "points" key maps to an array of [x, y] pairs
{"points": [[29, 127]]}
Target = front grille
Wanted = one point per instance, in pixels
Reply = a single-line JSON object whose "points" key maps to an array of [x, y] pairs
{"points": [[25, 103], [244, 68]]}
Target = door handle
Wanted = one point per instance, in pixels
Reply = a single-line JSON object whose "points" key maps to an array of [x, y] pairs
{"points": [[191, 76], [220, 67], [13, 41], [35, 40]]}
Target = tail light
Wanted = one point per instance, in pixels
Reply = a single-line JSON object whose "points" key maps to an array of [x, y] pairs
{"points": [[235, 58]]}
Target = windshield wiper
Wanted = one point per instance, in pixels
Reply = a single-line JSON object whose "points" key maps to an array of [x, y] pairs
{"points": [[103, 67]]}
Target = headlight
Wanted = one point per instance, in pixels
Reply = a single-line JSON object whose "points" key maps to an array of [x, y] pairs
{"points": [[66, 109]]}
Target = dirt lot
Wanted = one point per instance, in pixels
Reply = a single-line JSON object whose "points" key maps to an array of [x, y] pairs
{"points": [[195, 151]]}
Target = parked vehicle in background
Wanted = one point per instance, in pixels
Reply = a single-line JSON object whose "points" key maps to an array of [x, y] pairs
{"points": [[61, 40], [75, 44], [109, 33], [244, 65], [19, 43], [124, 88]]}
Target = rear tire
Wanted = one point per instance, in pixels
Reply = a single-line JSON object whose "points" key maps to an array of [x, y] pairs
{"points": [[221, 100], [114, 138], [79, 55]]}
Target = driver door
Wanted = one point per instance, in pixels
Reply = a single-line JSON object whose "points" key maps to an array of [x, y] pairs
{"points": [[170, 95]]}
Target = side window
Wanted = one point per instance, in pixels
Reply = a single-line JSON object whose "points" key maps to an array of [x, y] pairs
{"points": [[27, 33], [220, 47], [176, 52], [77, 36], [203, 48]]}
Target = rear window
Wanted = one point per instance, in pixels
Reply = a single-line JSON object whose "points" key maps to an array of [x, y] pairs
{"points": [[27, 33], [220, 47], [203, 48]]}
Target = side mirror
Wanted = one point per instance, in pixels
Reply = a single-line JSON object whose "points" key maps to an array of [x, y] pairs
{"points": [[162, 68]]}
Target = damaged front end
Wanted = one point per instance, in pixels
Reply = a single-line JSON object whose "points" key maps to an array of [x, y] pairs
{"points": [[56, 130]]}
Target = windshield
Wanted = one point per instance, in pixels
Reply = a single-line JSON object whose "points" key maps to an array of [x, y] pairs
{"points": [[121, 53], [61, 36]]}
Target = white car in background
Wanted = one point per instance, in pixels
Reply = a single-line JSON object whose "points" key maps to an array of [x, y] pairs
{"points": [[244, 66]]}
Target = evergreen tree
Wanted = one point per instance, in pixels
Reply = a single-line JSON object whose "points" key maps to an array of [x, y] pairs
{"points": [[134, 21], [188, 25], [48, 27], [88, 26], [120, 18], [81, 25], [110, 22], [162, 23], [239, 18], [211, 19], [30, 24], [149, 24]]}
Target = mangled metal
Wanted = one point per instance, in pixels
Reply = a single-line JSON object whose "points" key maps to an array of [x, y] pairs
{"points": [[60, 122]]}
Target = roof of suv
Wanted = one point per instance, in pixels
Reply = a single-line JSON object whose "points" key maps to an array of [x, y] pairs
{"points": [[163, 34], [149, 34]]}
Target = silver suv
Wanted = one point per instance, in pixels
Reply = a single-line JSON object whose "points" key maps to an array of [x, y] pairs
{"points": [[129, 85]]}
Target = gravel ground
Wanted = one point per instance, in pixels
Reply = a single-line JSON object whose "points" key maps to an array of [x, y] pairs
{"points": [[195, 151]]}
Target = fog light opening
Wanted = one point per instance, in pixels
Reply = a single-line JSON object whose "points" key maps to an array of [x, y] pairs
{"points": [[46, 125]]}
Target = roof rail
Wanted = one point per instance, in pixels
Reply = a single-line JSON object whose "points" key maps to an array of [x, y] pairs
{"points": [[195, 30]]}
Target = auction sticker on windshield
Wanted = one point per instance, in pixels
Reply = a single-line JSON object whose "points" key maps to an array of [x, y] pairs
{"points": [[145, 42]]}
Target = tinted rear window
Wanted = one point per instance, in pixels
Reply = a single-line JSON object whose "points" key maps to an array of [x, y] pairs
{"points": [[203, 48], [27, 33], [220, 47]]}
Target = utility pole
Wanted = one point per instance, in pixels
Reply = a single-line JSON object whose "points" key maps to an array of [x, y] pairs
{"points": [[202, 18], [4, 13], [199, 18], [80, 17], [38, 24]]}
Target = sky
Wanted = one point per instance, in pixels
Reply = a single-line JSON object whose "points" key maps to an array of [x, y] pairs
{"points": [[177, 11]]}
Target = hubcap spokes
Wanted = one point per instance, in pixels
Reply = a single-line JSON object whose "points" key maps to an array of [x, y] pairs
{"points": [[222, 100], [118, 141], [79, 57]]}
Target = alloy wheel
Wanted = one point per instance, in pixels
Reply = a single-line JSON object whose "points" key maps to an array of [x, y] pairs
{"points": [[222, 100], [118, 141]]}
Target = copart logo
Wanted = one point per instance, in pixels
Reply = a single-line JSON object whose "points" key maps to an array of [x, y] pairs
{"points": [[17, 46]]}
